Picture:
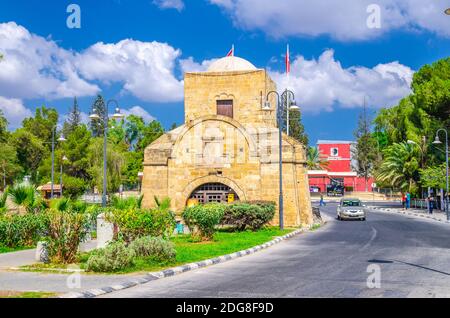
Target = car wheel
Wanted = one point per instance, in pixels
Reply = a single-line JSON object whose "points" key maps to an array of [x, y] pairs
{"points": [[363, 219]]}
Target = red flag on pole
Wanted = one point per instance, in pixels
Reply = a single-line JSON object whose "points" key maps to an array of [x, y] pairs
{"points": [[288, 61], [231, 53]]}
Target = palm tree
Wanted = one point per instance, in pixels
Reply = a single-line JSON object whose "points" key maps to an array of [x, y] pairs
{"points": [[400, 167], [26, 198], [3, 198], [315, 160]]}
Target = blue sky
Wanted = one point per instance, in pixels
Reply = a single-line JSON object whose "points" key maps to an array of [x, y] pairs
{"points": [[136, 51]]}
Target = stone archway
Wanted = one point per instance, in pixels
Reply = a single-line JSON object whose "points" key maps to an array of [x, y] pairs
{"points": [[199, 182], [214, 192]]}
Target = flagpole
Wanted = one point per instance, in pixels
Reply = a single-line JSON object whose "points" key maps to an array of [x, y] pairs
{"points": [[288, 60]]}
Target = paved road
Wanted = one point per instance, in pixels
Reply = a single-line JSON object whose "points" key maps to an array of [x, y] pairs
{"points": [[412, 254]]}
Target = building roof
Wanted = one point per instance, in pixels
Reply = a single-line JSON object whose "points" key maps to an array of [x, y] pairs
{"points": [[338, 142], [230, 64], [48, 187]]}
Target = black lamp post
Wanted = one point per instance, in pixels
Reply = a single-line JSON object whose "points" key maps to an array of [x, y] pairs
{"points": [[280, 141], [438, 142], [60, 139], [95, 116]]}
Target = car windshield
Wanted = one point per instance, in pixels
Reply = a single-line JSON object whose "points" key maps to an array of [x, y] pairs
{"points": [[351, 203]]}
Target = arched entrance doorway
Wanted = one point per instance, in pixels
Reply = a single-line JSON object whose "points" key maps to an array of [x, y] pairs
{"points": [[214, 192]]}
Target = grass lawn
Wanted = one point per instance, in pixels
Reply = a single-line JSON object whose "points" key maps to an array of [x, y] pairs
{"points": [[224, 242], [13, 294], [188, 251], [4, 249]]}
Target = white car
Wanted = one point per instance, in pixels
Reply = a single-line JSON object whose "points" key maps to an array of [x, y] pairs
{"points": [[351, 209]]}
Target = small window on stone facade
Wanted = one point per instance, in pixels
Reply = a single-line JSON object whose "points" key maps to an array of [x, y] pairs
{"points": [[225, 107]]}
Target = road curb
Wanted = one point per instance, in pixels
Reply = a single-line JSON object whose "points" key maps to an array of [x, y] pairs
{"points": [[92, 293], [420, 215]]}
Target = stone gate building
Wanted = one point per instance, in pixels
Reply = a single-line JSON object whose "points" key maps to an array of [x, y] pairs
{"points": [[228, 147]]}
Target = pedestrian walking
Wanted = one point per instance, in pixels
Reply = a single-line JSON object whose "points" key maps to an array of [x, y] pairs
{"points": [[408, 200], [403, 200], [430, 201], [322, 202]]}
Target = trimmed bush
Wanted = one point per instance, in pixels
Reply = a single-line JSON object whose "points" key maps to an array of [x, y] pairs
{"points": [[65, 233], [155, 248], [115, 257], [249, 215], [135, 223], [202, 219], [22, 230]]}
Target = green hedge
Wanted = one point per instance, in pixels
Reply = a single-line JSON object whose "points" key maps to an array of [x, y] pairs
{"points": [[249, 215], [115, 257], [134, 223], [22, 230], [202, 219]]}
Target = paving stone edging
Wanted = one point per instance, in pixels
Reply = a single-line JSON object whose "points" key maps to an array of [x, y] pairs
{"points": [[421, 215], [92, 293]]}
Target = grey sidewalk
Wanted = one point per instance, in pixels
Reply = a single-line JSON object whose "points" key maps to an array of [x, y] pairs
{"points": [[437, 215], [26, 257]]}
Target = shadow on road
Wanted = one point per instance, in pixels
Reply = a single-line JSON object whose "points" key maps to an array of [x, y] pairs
{"points": [[379, 261]]}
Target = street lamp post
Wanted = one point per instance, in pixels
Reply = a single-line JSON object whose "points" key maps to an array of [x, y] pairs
{"points": [[64, 158], [437, 142], [280, 143], [95, 116], [60, 139], [290, 105]]}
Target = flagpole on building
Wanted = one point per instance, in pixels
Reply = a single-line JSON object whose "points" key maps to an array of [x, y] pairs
{"points": [[288, 69]]}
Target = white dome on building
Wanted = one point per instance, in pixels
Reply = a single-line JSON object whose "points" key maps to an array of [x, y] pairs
{"points": [[230, 64]]}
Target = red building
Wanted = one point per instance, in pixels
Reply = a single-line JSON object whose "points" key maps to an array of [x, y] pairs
{"points": [[340, 169]]}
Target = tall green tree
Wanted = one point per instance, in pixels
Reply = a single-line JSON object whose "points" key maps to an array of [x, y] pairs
{"points": [[99, 108], [9, 166], [3, 127], [42, 123], [296, 128], [30, 150], [365, 150], [73, 119]]}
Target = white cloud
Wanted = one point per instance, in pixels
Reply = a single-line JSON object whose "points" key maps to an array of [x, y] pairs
{"points": [[146, 69], [14, 111], [170, 4], [189, 65], [34, 67], [323, 84], [343, 20], [138, 111]]}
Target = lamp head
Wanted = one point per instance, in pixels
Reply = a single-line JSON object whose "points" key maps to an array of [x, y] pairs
{"points": [[447, 12], [118, 115], [94, 116], [437, 141], [62, 139], [294, 106]]}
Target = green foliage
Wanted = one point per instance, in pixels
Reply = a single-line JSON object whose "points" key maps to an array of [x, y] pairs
{"points": [[400, 168], [65, 233], [126, 203], [365, 151], [73, 187], [315, 160], [99, 108], [30, 150], [74, 119], [42, 123], [154, 248], [296, 129], [135, 223], [26, 197], [202, 219], [76, 148], [248, 215], [433, 177], [9, 164], [3, 198], [22, 230], [115, 257]]}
